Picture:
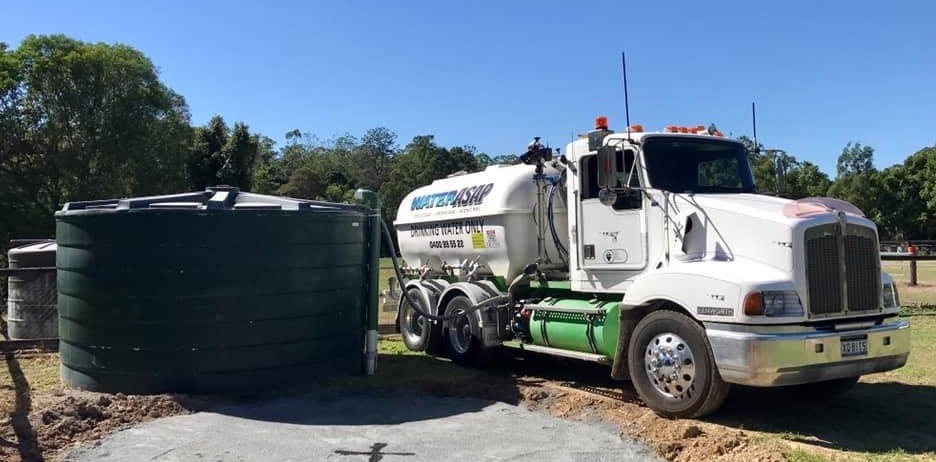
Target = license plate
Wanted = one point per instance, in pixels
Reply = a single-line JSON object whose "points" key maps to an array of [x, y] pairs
{"points": [[854, 346]]}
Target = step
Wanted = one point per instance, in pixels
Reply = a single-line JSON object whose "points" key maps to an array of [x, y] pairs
{"points": [[566, 353]]}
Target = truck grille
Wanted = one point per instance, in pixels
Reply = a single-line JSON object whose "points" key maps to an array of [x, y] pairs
{"points": [[832, 256]]}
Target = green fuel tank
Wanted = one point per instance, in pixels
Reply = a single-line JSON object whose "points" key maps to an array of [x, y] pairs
{"points": [[587, 326]]}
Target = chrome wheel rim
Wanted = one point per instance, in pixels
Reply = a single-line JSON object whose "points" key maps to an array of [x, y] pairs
{"points": [[670, 366], [460, 334], [415, 323]]}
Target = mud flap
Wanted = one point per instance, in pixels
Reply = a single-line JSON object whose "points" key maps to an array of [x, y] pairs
{"points": [[494, 326], [628, 319]]}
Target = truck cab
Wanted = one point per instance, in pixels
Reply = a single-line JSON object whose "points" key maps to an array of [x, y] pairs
{"points": [[787, 291]]}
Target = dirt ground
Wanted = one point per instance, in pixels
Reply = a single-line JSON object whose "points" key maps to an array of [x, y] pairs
{"points": [[46, 419]]}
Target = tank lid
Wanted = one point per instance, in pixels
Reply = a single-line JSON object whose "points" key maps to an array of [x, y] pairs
{"points": [[20, 246], [14, 243], [215, 198]]}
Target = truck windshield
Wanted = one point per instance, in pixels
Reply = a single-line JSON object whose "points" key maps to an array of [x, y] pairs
{"points": [[682, 164]]}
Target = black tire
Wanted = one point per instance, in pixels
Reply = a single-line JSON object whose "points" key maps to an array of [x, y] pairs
{"points": [[417, 331], [462, 346], [685, 382], [827, 390]]}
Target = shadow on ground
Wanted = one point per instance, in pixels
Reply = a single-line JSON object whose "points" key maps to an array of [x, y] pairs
{"points": [[403, 381], [26, 443], [401, 384], [872, 417]]}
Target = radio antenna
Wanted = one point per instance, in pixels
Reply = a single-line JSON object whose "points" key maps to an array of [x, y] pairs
{"points": [[626, 106], [754, 122]]}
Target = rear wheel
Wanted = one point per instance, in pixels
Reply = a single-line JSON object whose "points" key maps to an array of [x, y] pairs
{"points": [[417, 331], [463, 347], [672, 368]]}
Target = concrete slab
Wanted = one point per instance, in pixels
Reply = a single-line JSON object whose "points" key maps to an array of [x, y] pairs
{"points": [[366, 426]]}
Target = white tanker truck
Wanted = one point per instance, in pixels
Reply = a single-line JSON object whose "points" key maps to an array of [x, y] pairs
{"points": [[653, 253]]}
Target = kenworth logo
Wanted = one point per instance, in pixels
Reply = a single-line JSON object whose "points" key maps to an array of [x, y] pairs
{"points": [[472, 195]]}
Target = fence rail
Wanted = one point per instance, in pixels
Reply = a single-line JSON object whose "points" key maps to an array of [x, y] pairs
{"points": [[910, 257]]}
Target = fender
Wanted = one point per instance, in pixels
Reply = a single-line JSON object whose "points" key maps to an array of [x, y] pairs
{"points": [[701, 284], [477, 292], [429, 291], [708, 284]]}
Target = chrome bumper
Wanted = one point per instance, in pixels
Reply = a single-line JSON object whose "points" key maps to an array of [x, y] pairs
{"points": [[778, 359]]}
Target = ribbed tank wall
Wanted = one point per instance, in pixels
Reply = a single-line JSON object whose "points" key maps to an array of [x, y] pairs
{"points": [[179, 294]]}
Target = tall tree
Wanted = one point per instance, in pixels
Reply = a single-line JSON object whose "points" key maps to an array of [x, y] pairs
{"points": [[371, 158], [806, 180], [82, 121], [221, 156], [856, 180], [855, 159], [775, 171]]}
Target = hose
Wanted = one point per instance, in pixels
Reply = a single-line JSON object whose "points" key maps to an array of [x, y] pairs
{"points": [[563, 252], [415, 302]]}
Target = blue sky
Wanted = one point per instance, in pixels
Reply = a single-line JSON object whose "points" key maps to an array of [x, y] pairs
{"points": [[493, 74]]}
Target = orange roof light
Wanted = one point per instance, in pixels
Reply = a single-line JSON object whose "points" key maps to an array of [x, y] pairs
{"points": [[700, 127], [672, 128], [601, 123], [684, 129], [636, 128]]}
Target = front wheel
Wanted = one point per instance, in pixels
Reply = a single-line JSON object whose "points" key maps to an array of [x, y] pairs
{"points": [[672, 368]]}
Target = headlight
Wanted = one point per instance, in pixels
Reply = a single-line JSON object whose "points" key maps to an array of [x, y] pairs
{"points": [[891, 297], [773, 303]]}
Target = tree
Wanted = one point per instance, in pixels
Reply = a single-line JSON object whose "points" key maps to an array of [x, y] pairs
{"points": [[371, 158], [421, 162], [777, 172], [861, 189], [899, 209], [304, 183], [855, 159], [265, 178], [221, 156], [806, 180], [856, 179], [915, 204], [82, 121]]}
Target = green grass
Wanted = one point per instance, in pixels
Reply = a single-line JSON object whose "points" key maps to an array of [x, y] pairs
{"points": [[900, 270], [386, 272], [886, 418], [799, 455], [921, 366], [924, 293]]}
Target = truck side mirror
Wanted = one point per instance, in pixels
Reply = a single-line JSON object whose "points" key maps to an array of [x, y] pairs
{"points": [[607, 167]]}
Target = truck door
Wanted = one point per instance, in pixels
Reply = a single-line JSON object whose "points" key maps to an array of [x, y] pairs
{"points": [[612, 237]]}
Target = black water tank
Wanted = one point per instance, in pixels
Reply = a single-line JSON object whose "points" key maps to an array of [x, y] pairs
{"points": [[207, 292], [31, 304]]}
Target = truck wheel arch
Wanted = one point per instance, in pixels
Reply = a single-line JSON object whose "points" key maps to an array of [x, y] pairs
{"points": [[630, 315], [477, 292], [430, 289]]}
